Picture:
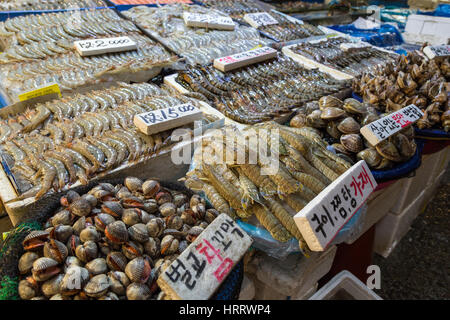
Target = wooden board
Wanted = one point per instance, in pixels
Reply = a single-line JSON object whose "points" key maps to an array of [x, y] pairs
{"points": [[200, 269]]}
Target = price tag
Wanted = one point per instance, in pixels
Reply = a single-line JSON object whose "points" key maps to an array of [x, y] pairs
{"points": [[320, 221], [259, 19], [204, 265], [208, 21], [442, 51], [4, 235], [244, 58], [168, 118], [353, 45], [381, 129], [48, 88], [92, 47]]}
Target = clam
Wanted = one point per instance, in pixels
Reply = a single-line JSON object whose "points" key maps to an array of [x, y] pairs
{"points": [[211, 214], [332, 130], [174, 222], [35, 240], [116, 261], [330, 101], [53, 286], [89, 234], [138, 232], [117, 232], [61, 232], [79, 225], [102, 220], [97, 266], [69, 197], [97, 286], [80, 207], [91, 199], [138, 291], [352, 142], [384, 164], [62, 217], [44, 268], [168, 209], [155, 227], [354, 106], [370, 156], [138, 270], [179, 199], [118, 282], [341, 149], [199, 210], [87, 251], [407, 148], [150, 188], [193, 233], [26, 262], [163, 197], [132, 216], [151, 206], [59, 297], [388, 150], [71, 261], [169, 245], [132, 202], [72, 243], [331, 113], [195, 200], [151, 247], [55, 250], [112, 208], [132, 249], [133, 184], [369, 118], [314, 119], [311, 106], [28, 288], [101, 194], [123, 193], [348, 125], [182, 246], [298, 121]]}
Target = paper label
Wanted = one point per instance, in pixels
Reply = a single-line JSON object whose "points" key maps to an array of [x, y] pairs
{"points": [[383, 128], [204, 265], [259, 19], [208, 21], [41, 91], [92, 47], [164, 119], [320, 221], [244, 58], [353, 45]]}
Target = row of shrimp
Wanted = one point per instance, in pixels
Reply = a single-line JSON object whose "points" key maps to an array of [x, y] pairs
{"points": [[241, 188], [64, 141]]}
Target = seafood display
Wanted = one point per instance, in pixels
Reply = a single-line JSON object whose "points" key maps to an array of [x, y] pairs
{"points": [[287, 30], [236, 9], [259, 92], [353, 61], [74, 139], [297, 6], [111, 243], [414, 80], [196, 45], [39, 50], [28, 5], [304, 167], [341, 121]]}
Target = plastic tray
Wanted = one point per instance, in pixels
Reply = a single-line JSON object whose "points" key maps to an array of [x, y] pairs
{"points": [[4, 15]]}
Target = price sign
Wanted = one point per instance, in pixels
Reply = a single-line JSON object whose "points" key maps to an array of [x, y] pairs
{"points": [[244, 58], [353, 45], [46, 89], [320, 221], [168, 118], [259, 19], [442, 51], [208, 21], [204, 265], [381, 129], [106, 45]]}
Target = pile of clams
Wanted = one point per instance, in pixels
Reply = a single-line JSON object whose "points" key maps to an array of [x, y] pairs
{"points": [[411, 80], [111, 243], [339, 122]]}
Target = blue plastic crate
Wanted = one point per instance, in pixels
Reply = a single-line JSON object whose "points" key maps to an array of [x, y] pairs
{"points": [[4, 15]]}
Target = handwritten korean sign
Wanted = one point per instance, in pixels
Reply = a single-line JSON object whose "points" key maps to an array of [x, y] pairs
{"points": [[168, 118], [244, 58], [203, 266], [441, 51], [92, 47], [383, 128], [208, 21], [320, 221], [259, 19]]}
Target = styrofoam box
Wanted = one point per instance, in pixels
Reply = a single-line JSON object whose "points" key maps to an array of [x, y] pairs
{"points": [[379, 204], [295, 274], [428, 25], [345, 286]]}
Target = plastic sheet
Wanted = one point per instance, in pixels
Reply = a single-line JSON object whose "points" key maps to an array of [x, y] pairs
{"points": [[442, 10], [385, 35]]}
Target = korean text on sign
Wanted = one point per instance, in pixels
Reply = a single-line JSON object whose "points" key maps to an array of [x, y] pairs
{"points": [[320, 221], [259, 19], [203, 266]]}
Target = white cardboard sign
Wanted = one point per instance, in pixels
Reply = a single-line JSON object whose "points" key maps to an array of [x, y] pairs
{"points": [[320, 221], [92, 47], [164, 119], [353, 45], [204, 265], [441, 51], [259, 19], [244, 58], [208, 21], [383, 128]]}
